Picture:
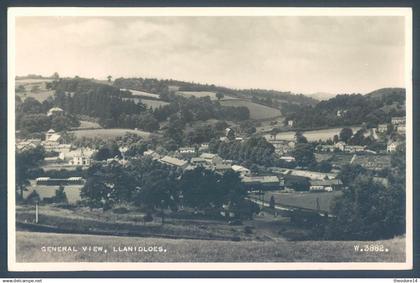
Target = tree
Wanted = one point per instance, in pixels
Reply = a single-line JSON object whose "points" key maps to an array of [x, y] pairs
{"points": [[55, 76], [272, 202], [324, 166], [109, 78], [368, 211], [346, 134], [335, 139], [27, 161], [304, 155], [20, 88], [219, 95], [300, 138], [60, 195]]}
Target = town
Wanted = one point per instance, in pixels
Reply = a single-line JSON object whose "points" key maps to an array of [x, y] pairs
{"points": [[238, 173]]}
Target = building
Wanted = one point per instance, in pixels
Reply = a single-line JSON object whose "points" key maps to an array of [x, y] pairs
{"points": [[340, 145], [52, 136], [203, 147], [262, 183], [27, 144], [354, 148], [288, 158], [55, 111], [325, 185], [243, 171], [290, 123], [401, 129], [186, 150], [211, 158], [313, 175], [174, 162], [325, 148], [152, 154], [382, 128], [397, 120], [392, 146]]}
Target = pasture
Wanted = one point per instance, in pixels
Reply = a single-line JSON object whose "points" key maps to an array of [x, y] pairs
{"points": [[29, 244], [150, 103], [256, 111], [108, 133], [72, 192], [141, 93], [41, 94], [313, 135], [200, 94]]}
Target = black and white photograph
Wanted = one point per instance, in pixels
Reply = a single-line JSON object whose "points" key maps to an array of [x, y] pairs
{"points": [[209, 139]]}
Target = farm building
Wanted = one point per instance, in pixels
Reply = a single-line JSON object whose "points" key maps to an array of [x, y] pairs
{"points": [[325, 185], [262, 182]]}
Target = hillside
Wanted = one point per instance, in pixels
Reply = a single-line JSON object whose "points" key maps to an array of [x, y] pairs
{"points": [[256, 111], [351, 109], [29, 243]]}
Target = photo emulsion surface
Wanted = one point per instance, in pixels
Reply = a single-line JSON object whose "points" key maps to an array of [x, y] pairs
{"points": [[258, 139]]}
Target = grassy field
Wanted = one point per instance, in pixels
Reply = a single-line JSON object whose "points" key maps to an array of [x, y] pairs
{"points": [[257, 111], [198, 94], [142, 93], [303, 199], [314, 135], [40, 95], [88, 125], [72, 192], [108, 133], [29, 244]]}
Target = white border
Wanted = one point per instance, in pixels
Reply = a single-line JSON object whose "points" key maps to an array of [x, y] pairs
{"points": [[83, 266]]}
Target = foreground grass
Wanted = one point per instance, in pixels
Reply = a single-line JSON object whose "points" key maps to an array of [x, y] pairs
{"points": [[29, 249]]}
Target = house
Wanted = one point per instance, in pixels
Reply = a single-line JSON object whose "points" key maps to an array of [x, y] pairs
{"points": [[401, 129], [222, 167], [325, 148], [27, 144], [392, 146], [198, 161], [241, 170], [203, 147], [211, 158], [262, 182], [290, 123], [382, 128], [174, 162], [340, 145], [397, 120], [55, 111], [186, 151], [52, 136], [152, 154], [325, 185]]}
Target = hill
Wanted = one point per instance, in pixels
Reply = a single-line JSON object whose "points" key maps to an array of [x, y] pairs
{"points": [[351, 109], [256, 111], [29, 250]]}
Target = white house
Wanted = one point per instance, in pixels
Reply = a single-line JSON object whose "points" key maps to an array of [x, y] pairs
{"points": [[392, 146], [398, 120], [382, 128]]}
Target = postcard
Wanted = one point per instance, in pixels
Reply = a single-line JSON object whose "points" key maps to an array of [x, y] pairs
{"points": [[209, 139]]}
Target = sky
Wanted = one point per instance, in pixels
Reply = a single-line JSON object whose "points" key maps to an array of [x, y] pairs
{"points": [[344, 54]]}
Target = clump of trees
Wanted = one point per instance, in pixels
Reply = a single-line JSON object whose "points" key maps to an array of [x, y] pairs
{"points": [[149, 184], [27, 163]]}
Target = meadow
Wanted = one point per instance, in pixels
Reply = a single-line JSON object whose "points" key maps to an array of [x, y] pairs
{"points": [[108, 133], [40, 95], [256, 111], [314, 135], [141, 93], [200, 94], [28, 249]]}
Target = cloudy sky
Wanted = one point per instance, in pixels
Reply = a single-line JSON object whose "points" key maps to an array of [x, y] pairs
{"points": [[298, 54]]}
